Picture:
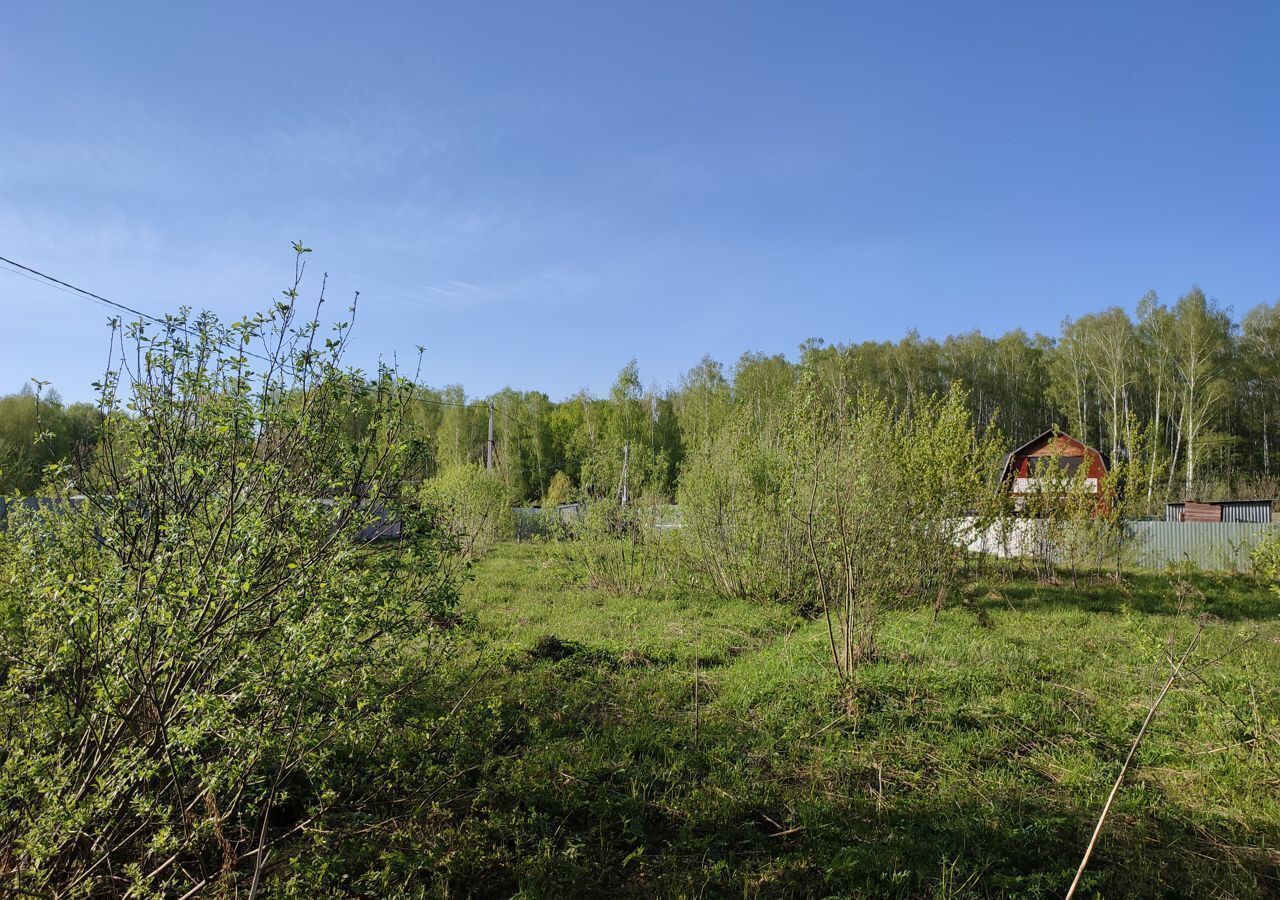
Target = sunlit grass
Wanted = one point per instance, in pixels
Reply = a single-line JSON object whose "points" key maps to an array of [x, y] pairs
{"points": [[970, 759]]}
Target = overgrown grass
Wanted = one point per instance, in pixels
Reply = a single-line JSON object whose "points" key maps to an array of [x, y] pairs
{"points": [[970, 760]]}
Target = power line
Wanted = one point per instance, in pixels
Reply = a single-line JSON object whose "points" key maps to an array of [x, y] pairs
{"points": [[68, 287], [559, 465], [80, 290], [452, 405], [16, 268], [37, 280], [519, 421]]}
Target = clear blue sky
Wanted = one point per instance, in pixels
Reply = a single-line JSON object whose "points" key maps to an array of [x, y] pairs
{"points": [[538, 192]]}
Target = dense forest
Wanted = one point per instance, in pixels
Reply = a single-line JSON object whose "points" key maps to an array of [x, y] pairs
{"points": [[1188, 382]]}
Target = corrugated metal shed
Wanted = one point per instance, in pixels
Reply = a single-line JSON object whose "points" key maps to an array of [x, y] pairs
{"points": [[1252, 511]]}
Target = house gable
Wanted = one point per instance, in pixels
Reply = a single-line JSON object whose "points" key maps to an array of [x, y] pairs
{"points": [[1022, 466]]}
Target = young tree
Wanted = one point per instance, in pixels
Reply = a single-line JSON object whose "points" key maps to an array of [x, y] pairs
{"points": [[36, 430], [462, 429], [623, 456], [1109, 346], [736, 497], [702, 402], [882, 500], [763, 385], [1071, 382], [1154, 337], [1062, 505], [559, 491]]}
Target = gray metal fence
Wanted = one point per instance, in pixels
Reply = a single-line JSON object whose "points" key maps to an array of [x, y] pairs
{"points": [[1224, 546], [1218, 546]]}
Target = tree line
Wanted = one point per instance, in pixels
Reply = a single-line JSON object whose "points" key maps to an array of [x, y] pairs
{"points": [[1194, 387]]}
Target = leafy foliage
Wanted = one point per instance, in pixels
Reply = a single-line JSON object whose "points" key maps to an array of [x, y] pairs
{"points": [[36, 429], [475, 505], [883, 500], [1266, 560], [977, 752], [740, 533], [188, 654], [615, 547]]}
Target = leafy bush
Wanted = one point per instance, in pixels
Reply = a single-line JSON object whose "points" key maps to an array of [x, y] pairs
{"points": [[1266, 559], [35, 430], [739, 531], [850, 503], [883, 499], [559, 491], [474, 504], [1073, 526], [186, 655]]}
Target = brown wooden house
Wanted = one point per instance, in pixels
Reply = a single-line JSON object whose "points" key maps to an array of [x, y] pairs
{"points": [[1022, 465]]}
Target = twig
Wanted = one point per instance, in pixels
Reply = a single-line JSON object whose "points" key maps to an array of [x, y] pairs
{"points": [[697, 710], [1133, 748]]}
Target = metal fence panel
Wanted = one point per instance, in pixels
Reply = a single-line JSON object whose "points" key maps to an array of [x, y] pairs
{"points": [[1220, 546], [1209, 545]]}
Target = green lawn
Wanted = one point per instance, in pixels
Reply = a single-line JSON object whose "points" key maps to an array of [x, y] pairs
{"points": [[970, 761]]}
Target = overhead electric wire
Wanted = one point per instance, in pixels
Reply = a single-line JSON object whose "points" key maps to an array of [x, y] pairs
{"points": [[68, 287], [17, 268], [37, 280], [80, 290], [453, 405]]}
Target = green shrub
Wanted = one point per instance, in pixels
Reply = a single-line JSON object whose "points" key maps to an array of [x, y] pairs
{"points": [[559, 491], [849, 504], [1266, 559], [187, 655], [883, 499], [736, 498], [475, 504]]}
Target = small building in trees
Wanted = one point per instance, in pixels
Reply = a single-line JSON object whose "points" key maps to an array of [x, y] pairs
{"points": [[1028, 465]]}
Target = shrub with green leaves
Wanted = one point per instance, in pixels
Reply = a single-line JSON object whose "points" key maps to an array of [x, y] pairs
{"points": [[1069, 518], [851, 503], [559, 491], [736, 497], [475, 504], [1266, 559], [883, 498], [187, 654]]}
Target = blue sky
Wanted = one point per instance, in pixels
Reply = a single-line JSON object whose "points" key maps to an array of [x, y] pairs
{"points": [[538, 192]]}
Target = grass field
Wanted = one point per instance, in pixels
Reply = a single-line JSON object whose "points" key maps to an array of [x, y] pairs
{"points": [[971, 760]]}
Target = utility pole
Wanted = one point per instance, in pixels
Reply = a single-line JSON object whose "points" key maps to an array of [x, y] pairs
{"points": [[626, 452], [488, 456]]}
